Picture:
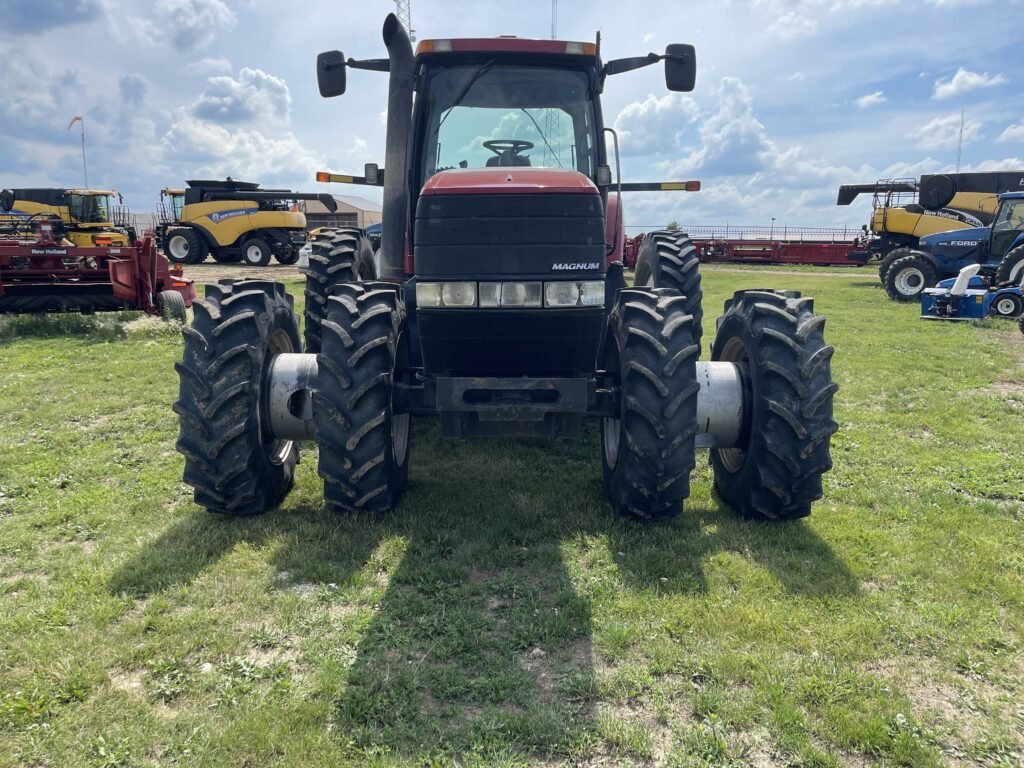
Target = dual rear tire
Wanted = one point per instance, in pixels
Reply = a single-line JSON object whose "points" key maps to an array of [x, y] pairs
{"points": [[232, 460], [237, 467]]}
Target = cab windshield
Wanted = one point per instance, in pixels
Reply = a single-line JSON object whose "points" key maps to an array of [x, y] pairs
{"points": [[490, 115], [176, 202], [89, 209], [1011, 216]]}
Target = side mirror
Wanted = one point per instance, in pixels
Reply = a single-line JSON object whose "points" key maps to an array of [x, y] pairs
{"points": [[328, 202], [371, 172], [6, 200], [604, 176], [330, 73], [680, 67]]}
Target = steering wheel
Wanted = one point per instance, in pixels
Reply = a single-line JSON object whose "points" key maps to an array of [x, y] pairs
{"points": [[515, 146]]}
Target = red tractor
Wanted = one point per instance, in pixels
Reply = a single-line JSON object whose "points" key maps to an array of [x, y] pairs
{"points": [[497, 303], [41, 271]]}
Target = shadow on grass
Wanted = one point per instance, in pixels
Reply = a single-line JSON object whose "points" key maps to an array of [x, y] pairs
{"points": [[481, 643]]}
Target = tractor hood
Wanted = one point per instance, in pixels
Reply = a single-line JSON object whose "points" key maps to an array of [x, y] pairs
{"points": [[515, 180], [970, 236]]}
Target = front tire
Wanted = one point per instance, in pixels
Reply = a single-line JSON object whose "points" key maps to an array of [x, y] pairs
{"points": [[232, 460], [1011, 267], [777, 341], [669, 260], [364, 444], [1008, 305], [648, 452], [888, 259], [338, 257], [172, 306], [256, 252], [185, 246], [908, 277]]}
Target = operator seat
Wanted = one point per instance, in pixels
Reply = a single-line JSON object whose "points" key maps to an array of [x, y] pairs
{"points": [[507, 158]]}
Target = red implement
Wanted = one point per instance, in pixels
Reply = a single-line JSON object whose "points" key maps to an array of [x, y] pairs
{"points": [[40, 272]]}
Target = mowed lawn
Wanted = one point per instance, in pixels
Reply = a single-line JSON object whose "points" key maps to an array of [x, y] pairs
{"points": [[503, 615]]}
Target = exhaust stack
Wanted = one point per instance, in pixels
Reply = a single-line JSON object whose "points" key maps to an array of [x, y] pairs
{"points": [[396, 182]]}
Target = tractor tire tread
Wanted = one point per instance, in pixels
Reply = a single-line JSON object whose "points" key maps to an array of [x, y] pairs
{"points": [[658, 356], [352, 403], [220, 379], [792, 391]]}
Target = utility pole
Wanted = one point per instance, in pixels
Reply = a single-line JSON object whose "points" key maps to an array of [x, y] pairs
{"points": [[551, 126], [404, 13]]}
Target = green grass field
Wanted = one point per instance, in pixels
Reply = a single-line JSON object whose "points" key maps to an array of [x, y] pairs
{"points": [[503, 615]]}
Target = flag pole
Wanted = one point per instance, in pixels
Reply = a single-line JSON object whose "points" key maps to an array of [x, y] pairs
{"points": [[85, 173], [81, 122]]}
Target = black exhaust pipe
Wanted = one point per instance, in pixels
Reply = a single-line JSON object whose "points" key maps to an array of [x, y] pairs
{"points": [[396, 177]]}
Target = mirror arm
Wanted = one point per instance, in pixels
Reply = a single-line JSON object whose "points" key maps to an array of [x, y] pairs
{"points": [[375, 65]]}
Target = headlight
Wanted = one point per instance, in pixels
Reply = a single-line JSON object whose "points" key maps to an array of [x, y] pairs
{"points": [[520, 294], [462, 294], [584, 293], [511, 294], [496, 295]]}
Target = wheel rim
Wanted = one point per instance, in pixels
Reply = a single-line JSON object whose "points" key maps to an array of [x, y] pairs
{"points": [[178, 247], [253, 254], [734, 351], [610, 434], [1006, 307], [277, 450], [909, 281]]}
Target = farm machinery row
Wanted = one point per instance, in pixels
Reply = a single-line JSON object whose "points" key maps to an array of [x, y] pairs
{"points": [[498, 304], [756, 245], [42, 271]]}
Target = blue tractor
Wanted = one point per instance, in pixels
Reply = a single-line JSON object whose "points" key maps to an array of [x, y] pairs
{"points": [[998, 248]]}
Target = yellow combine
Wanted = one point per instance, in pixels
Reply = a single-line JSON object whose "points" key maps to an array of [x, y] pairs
{"points": [[88, 217], [233, 221], [905, 210]]}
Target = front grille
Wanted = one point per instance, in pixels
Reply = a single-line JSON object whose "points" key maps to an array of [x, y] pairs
{"points": [[513, 234]]}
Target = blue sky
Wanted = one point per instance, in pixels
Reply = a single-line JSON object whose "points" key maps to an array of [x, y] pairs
{"points": [[793, 97]]}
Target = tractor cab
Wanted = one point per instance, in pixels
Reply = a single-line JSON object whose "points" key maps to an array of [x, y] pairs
{"points": [[90, 208], [1008, 226], [170, 205]]}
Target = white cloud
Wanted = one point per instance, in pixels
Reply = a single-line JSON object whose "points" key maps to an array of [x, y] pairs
{"points": [[193, 24], [965, 81], [797, 77], [792, 25], [648, 37], [1012, 133], [655, 124], [359, 149], [944, 132], [208, 150], [871, 99], [254, 97], [211, 66], [1006, 164]]}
